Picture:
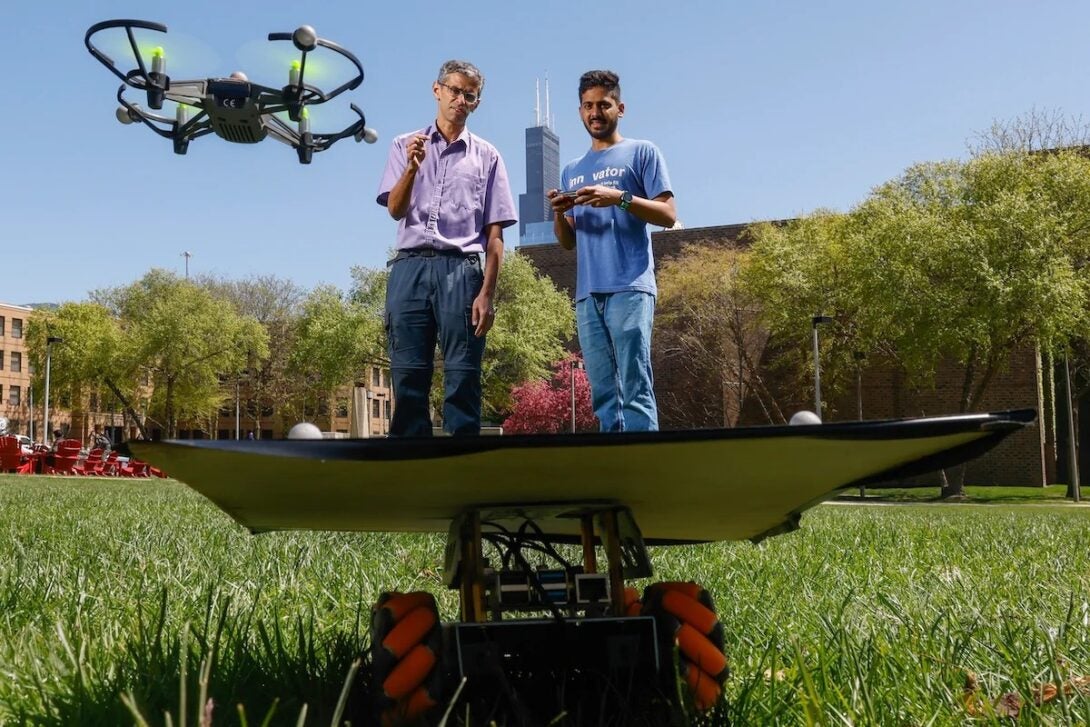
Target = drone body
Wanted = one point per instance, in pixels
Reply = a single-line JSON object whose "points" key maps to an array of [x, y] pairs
{"points": [[232, 108]]}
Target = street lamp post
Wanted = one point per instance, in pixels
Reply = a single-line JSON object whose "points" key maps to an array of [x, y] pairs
{"points": [[814, 323], [859, 357], [575, 364], [367, 417], [238, 416], [1072, 448], [48, 361]]}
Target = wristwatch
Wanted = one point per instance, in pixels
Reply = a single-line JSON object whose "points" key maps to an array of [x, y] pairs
{"points": [[626, 200]]}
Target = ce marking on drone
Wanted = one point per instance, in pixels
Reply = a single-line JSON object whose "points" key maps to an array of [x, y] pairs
{"points": [[233, 108]]}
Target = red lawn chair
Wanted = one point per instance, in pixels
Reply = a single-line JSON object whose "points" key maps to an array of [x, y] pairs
{"points": [[110, 467], [11, 454], [65, 457], [91, 464], [135, 468]]}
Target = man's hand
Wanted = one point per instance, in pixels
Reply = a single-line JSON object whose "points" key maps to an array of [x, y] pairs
{"points": [[484, 314], [561, 201], [415, 152], [598, 195]]}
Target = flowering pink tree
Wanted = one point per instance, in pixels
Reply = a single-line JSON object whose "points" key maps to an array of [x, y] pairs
{"points": [[544, 407]]}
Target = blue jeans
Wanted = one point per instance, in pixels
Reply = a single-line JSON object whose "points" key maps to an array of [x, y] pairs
{"points": [[430, 298], [615, 335]]}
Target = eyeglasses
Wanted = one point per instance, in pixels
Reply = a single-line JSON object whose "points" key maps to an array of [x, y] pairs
{"points": [[469, 96]]}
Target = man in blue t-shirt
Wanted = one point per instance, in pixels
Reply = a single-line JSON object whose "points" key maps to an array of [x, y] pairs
{"points": [[612, 193]]}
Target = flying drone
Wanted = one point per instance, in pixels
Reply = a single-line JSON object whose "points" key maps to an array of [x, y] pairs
{"points": [[233, 108]]}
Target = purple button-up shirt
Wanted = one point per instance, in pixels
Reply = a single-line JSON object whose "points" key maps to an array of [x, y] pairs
{"points": [[460, 188]]}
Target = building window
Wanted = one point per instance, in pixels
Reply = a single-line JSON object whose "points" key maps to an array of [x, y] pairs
{"points": [[15, 395], [387, 409], [1, 360], [1, 325], [16, 362], [386, 378], [342, 407], [16, 327], [375, 411], [1, 392], [376, 377]]}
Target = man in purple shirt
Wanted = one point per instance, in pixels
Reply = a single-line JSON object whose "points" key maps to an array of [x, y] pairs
{"points": [[448, 190]]}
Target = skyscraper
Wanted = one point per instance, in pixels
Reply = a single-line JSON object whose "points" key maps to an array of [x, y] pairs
{"points": [[542, 174]]}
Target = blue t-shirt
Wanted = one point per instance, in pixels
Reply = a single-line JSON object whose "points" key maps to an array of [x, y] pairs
{"points": [[613, 246]]}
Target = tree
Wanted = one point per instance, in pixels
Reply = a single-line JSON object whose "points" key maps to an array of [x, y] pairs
{"points": [[545, 407], [969, 261], [533, 322], [334, 338], [1038, 130], [276, 303], [709, 340], [1045, 132], [185, 339], [797, 270], [88, 357]]}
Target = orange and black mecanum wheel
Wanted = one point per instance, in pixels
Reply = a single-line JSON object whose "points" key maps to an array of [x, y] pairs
{"points": [[685, 619], [405, 646]]}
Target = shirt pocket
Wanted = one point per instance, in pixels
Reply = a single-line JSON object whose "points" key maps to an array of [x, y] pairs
{"points": [[464, 190], [462, 210]]}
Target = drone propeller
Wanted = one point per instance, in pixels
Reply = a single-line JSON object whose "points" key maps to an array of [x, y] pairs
{"points": [[187, 57], [271, 63]]}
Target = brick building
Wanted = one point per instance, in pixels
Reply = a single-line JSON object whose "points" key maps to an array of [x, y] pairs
{"points": [[1030, 457], [15, 369]]}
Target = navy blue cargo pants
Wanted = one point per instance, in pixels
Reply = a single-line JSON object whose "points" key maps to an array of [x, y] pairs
{"points": [[429, 297]]}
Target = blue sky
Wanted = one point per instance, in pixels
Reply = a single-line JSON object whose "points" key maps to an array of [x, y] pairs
{"points": [[762, 109]]}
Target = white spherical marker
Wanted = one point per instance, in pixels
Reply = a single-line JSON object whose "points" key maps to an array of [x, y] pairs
{"points": [[304, 430], [804, 417]]}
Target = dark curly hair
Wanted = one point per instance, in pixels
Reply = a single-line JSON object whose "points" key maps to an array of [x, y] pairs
{"points": [[608, 80]]}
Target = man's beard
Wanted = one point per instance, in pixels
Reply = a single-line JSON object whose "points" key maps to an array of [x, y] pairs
{"points": [[604, 131]]}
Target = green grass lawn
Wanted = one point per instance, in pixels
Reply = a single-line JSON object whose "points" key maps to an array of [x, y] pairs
{"points": [[974, 494], [111, 591]]}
